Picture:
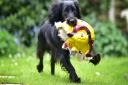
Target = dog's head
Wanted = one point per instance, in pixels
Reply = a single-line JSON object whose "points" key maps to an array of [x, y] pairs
{"points": [[65, 10]]}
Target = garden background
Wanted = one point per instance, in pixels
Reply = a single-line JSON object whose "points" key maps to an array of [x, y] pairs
{"points": [[19, 25]]}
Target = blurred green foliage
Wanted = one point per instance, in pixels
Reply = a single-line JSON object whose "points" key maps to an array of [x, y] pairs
{"points": [[7, 43], [99, 7], [109, 40], [21, 18]]}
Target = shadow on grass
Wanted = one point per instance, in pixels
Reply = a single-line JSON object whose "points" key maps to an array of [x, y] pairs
{"points": [[58, 78], [64, 80]]}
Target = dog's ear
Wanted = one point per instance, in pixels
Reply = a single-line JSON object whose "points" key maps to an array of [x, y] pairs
{"points": [[55, 13], [78, 9]]}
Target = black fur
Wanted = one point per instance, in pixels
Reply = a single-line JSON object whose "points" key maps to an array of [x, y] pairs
{"points": [[49, 41]]}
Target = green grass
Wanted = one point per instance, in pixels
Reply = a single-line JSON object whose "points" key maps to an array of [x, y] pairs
{"points": [[110, 71]]}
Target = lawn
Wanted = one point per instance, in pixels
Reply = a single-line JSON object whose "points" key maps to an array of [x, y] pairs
{"points": [[22, 69]]}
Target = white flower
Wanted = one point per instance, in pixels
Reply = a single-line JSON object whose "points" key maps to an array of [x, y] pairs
{"points": [[98, 73], [10, 56], [15, 63]]}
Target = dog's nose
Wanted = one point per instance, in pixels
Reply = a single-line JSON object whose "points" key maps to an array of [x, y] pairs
{"points": [[71, 21]]}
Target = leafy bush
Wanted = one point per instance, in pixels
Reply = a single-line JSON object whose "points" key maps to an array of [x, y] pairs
{"points": [[7, 43], [109, 39], [19, 17]]}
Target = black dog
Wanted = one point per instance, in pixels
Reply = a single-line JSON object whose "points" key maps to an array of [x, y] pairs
{"points": [[49, 41]]}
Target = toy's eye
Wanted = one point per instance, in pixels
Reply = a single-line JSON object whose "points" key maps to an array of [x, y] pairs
{"points": [[82, 35], [70, 44], [80, 52]]}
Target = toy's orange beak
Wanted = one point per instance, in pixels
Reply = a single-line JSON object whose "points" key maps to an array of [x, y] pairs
{"points": [[75, 29], [78, 27]]}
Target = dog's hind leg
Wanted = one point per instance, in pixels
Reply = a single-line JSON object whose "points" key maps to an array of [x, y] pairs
{"points": [[66, 64], [52, 64], [40, 53]]}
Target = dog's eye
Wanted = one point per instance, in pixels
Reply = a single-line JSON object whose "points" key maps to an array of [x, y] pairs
{"points": [[69, 8], [66, 9]]}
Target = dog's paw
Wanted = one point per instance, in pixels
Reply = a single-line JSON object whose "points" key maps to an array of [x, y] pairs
{"points": [[78, 80], [40, 68], [75, 79], [96, 59]]}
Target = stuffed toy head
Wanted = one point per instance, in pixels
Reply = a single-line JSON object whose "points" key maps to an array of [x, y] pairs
{"points": [[77, 38]]}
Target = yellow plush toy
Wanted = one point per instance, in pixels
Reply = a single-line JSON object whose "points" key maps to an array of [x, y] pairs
{"points": [[77, 39]]}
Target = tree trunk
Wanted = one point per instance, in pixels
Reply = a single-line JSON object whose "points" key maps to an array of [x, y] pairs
{"points": [[111, 14], [120, 22]]}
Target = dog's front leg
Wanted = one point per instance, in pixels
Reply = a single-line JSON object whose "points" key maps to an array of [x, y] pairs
{"points": [[52, 64], [65, 61], [95, 59], [40, 54]]}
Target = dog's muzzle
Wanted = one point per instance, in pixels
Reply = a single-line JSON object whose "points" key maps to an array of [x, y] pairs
{"points": [[71, 21]]}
